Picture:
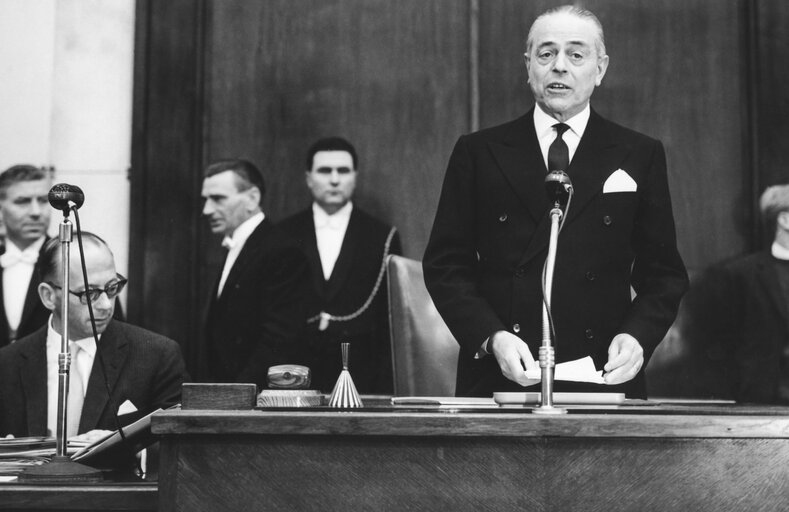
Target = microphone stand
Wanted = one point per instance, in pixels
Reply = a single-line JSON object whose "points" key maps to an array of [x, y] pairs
{"points": [[61, 469], [547, 352]]}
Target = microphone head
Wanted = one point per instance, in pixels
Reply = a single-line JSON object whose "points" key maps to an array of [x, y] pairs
{"points": [[558, 187], [63, 196]]}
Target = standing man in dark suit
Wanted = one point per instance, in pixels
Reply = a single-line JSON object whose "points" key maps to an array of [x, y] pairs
{"points": [[25, 211], [484, 260], [142, 370], [256, 307], [741, 311], [346, 249]]}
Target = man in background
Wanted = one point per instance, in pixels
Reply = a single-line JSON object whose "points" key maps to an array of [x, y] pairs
{"points": [[128, 373], [25, 213], [346, 249], [740, 310], [484, 261], [256, 307]]}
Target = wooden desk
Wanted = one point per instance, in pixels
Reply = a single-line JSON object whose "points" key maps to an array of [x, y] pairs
{"points": [[643, 458], [137, 497]]}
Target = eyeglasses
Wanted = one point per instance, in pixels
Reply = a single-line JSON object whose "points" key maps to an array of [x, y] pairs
{"points": [[112, 290]]}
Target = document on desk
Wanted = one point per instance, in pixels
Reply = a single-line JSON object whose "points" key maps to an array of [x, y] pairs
{"points": [[579, 370]]}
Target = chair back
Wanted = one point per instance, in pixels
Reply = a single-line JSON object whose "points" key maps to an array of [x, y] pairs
{"points": [[424, 352]]}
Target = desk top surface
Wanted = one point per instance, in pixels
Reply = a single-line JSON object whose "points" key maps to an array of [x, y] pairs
{"points": [[686, 419]]}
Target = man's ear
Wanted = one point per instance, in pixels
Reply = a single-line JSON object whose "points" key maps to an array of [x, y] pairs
{"points": [[47, 294], [783, 220]]}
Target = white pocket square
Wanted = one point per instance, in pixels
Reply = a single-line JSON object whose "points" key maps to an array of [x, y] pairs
{"points": [[619, 181], [126, 408]]}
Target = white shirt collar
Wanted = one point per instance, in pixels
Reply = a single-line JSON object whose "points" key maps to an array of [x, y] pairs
{"points": [[242, 232], [543, 123], [339, 220], [53, 340], [780, 252]]}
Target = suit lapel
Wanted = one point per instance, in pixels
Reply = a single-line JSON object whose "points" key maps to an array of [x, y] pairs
{"points": [[520, 160], [525, 169], [252, 245], [32, 300], [595, 159], [114, 351], [33, 368], [344, 263]]}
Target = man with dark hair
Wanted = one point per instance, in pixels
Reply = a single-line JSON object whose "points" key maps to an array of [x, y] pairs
{"points": [[484, 260], [346, 249], [25, 213], [255, 308], [129, 372]]}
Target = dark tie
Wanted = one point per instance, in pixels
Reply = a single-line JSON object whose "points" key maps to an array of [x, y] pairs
{"points": [[558, 154]]}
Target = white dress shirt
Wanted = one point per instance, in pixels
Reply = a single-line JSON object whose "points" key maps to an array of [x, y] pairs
{"points": [[235, 243], [17, 272], [546, 133], [780, 252], [83, 364], [329, 233]]}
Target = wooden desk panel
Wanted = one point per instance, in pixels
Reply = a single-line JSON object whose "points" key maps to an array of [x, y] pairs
{"points": [[138, 497], [317, 460]]}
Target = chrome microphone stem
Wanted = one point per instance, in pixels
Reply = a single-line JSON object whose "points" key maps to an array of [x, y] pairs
{"points": [[547, 362], [64, 358]]}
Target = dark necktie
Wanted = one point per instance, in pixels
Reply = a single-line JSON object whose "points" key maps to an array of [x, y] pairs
{"points": [[558, 154]]}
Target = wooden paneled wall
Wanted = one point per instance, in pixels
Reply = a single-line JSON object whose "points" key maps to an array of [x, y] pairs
{"points": [[402, 80]]}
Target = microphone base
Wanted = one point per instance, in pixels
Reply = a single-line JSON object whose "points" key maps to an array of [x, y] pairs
{"points": [[61, 470], [549, 409]]}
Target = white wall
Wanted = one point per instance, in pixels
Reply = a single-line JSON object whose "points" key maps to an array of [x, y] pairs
{"points": [[66, 100]]}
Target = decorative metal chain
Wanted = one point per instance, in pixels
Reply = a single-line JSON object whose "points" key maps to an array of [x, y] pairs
{"points": [[325, 317]]}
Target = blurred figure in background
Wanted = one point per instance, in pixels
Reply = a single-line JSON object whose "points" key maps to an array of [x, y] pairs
{"points": [[25, 213]]}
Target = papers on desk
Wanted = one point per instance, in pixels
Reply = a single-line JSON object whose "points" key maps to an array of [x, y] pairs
{"points": [[580, 370], [444, 401]]}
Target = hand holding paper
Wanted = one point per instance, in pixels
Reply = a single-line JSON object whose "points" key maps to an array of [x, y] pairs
{"points": [[625, 358], [513, 355], [580, 370]]}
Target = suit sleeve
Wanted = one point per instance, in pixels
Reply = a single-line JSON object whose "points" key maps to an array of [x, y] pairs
{"points": [[658, 278], [450, 261]]}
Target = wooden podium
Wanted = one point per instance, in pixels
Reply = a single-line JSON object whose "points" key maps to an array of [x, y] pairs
{"points": [[650, 457]]}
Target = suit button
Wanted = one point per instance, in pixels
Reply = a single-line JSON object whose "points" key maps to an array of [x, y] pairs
{"points": [[503, 217], [520, 272], [591, 276], [607, 220], [516, 328], [589, 334]]}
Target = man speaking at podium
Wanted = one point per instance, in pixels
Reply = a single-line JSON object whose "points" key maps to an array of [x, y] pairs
{"points": [[484, 261], [144, 371]]}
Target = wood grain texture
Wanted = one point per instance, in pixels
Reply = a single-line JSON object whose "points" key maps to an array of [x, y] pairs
{"points": [[505, 468], [470, 424], [105, 497]]}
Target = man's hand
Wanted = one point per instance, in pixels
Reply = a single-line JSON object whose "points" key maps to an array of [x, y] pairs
{"points": [[625, 358], [513, 356], [91, 436]]}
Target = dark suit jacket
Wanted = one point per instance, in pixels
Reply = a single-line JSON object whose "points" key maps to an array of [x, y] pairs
{"points": [[258, 318], [742, 327], [350, 284], [34, 314], [484, 260], [142, 367]]}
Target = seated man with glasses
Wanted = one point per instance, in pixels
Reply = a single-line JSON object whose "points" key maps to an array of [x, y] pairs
{"points": [[129, 372]]}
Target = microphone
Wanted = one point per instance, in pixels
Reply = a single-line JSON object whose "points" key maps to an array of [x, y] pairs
{"points": [[558, 187], [64, 196]]}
